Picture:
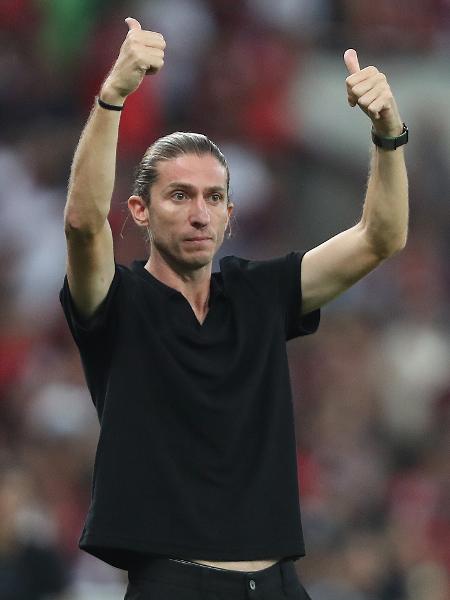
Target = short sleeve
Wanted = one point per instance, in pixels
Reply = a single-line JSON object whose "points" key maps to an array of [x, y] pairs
{"points": [[87, 329], [297, 324], [277, 282]]}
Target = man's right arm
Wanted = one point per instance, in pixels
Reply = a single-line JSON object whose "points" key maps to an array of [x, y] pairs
{"points": [[90, 255]]}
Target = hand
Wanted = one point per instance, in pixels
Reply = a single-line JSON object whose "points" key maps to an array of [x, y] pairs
{"points": [[142, 52], [370, 90]]}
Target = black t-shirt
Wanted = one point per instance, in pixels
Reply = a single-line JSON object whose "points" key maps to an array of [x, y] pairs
{"points": [[197, 454]]}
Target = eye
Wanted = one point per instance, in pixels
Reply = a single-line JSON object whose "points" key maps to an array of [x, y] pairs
{"points": [[216, 197], [179, 196]]}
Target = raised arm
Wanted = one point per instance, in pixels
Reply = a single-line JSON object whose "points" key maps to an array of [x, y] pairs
{"points": [[90, 257], [335, 265]]}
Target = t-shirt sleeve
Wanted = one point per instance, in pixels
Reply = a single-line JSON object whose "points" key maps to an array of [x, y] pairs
{"points": [[278, 282], [86, 330], [297, 324]]}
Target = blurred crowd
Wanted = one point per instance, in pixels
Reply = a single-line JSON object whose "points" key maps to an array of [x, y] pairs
{"points": [[265, 80]]}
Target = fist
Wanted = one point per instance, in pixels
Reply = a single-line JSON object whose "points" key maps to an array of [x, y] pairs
{"points": [[142, 52], [369, 89]]}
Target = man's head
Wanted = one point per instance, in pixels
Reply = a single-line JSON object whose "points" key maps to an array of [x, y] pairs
{"points": [[181, 195]]}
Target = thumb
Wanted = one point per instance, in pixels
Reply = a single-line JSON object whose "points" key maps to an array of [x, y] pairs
{"points": [[351, 61], [132, 23]]}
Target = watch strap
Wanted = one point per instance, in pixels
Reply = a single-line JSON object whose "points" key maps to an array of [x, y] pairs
{"points": [[391, 143]]}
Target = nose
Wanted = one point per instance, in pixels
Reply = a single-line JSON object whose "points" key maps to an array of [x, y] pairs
{"points": [[200, 216]]}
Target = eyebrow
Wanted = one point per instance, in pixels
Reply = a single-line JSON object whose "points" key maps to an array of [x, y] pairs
{"points": [[188, 186]]}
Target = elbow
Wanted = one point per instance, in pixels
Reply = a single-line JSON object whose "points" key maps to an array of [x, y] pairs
{"points": [[384, 242], [402, 243], [399, 243], [81, 223], [390, 248]]}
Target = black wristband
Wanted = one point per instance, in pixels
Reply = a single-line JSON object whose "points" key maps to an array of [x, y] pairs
{"points": [[391, 143], [108, 106]]}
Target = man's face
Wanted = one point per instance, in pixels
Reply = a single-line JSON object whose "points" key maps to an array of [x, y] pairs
{"points": [[188, 211]]}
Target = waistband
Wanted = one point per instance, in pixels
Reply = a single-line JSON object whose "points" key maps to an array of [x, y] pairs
{"points": [[198, 576]]}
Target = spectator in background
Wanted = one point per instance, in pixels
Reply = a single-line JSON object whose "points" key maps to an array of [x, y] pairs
{"points": [[30, 569]]}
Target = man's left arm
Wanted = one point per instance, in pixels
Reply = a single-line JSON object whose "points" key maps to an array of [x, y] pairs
{"points": [[338, 263]]}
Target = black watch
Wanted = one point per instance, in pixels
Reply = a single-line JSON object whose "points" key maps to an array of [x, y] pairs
{"points": [[391, 143]]}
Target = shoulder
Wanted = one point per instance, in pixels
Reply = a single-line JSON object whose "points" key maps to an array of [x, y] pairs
{"points": [[131, 276], [277, 266], [272, 278]]}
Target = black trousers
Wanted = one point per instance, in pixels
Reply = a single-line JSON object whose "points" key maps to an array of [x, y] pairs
{"points": [[167, 579]]}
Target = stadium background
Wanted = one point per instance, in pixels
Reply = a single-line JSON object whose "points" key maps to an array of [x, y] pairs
{"points": [[265, 80]]}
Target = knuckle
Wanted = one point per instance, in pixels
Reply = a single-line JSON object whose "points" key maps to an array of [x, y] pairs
{"points": [[157, 40], [133, 44], [156, 64], [371, 70]]}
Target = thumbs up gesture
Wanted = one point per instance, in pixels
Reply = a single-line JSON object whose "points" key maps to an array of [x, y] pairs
{"points": [[141, 53], [370, 90]]}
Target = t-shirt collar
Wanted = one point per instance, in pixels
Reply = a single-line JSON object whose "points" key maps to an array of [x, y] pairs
{"points": [[138, 266]]}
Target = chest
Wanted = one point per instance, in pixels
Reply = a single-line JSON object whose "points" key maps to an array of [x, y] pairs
{"points": [[232, 334]]}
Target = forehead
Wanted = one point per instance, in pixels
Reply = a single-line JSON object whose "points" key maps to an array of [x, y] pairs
{"points": [[200, 171]]}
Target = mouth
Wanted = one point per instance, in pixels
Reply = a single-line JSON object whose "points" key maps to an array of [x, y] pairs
{"points": [[199, 239]]}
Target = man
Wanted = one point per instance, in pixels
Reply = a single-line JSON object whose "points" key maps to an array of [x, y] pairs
{"points": [[195, 482]]}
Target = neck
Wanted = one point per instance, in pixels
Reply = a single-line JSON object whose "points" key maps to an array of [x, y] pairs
{"points": [[194, 284]]}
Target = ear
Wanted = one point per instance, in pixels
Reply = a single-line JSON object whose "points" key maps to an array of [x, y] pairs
{"points": [[139, 210], [230, 207]]}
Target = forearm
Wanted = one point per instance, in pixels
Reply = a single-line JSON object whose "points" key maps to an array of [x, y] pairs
{"points": [[385, 213], [92, 175]]}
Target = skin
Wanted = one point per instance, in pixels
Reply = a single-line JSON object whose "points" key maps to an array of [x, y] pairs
{"points": [[173, 220], [369, 89], [187, 217]]}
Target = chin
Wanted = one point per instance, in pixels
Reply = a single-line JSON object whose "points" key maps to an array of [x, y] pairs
{"points": [[179, 258], [197, 259], [198, 262]]}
